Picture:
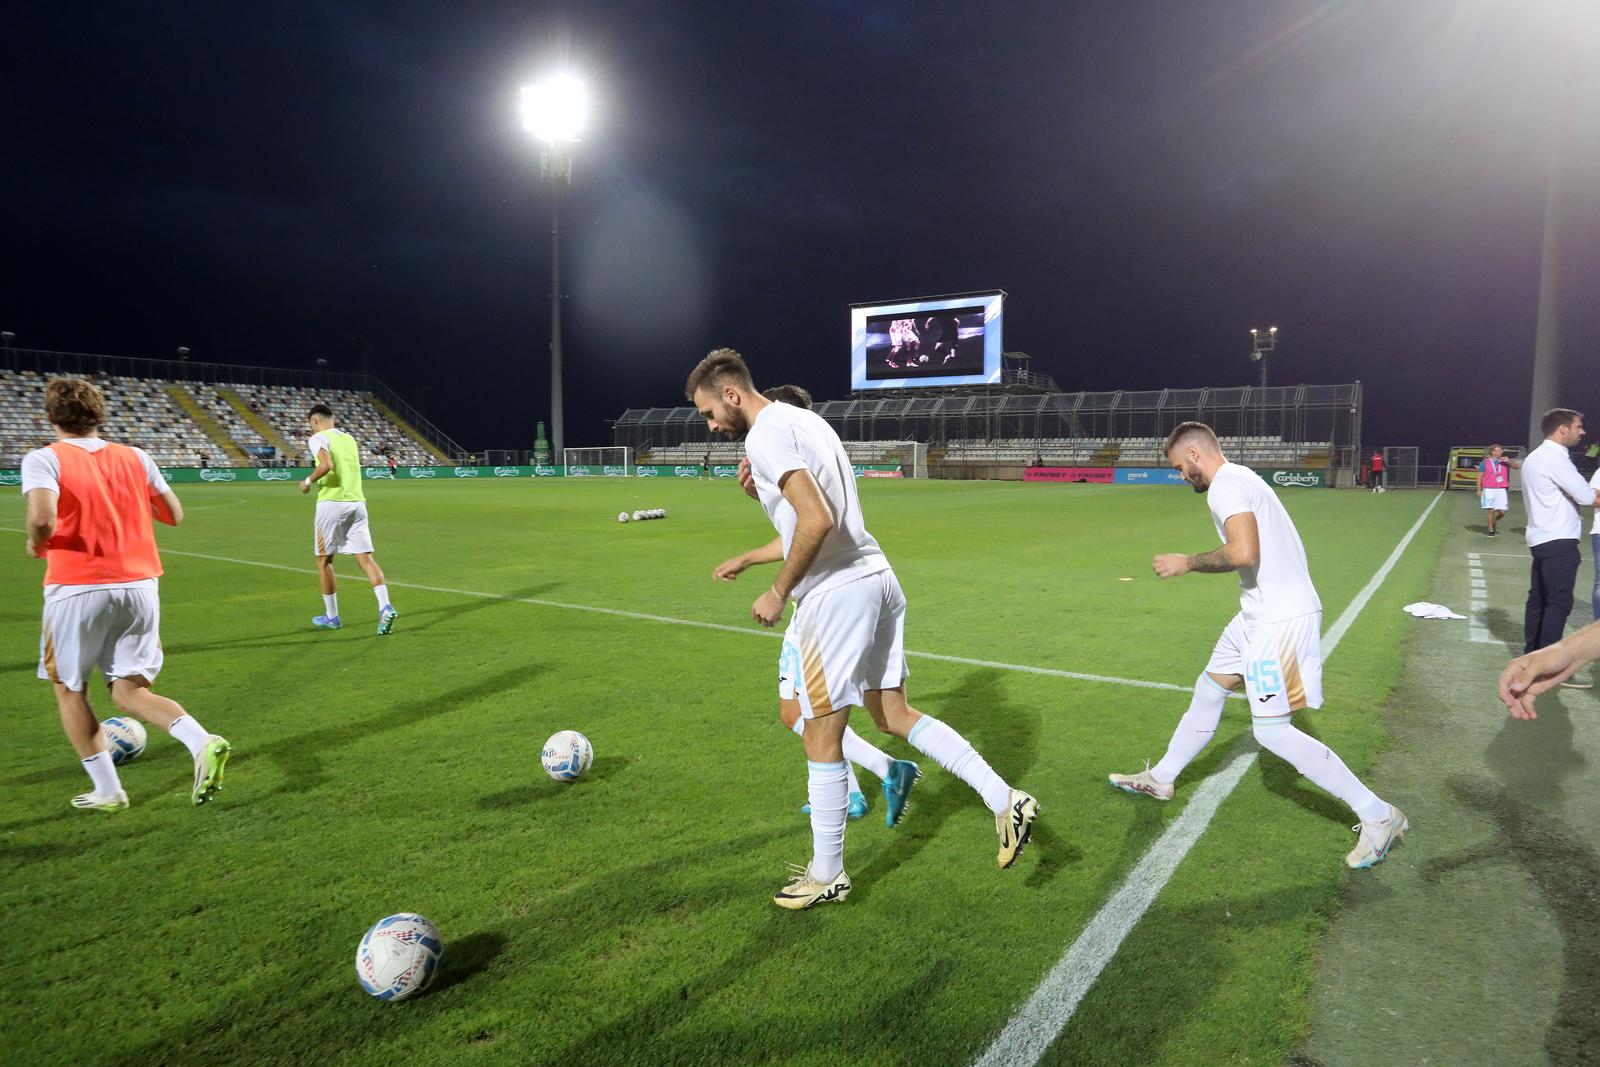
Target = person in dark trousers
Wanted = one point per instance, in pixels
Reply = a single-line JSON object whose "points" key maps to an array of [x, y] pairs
{"points": [[1552, 491]]}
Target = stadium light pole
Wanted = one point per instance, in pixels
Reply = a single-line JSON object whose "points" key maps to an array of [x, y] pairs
{"points": [[554, 111], [1261, 347]]}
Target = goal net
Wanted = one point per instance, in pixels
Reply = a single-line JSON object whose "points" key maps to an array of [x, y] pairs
{"points": [[615, 461], [892, 459]]}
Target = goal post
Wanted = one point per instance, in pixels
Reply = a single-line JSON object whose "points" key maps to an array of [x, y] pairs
{"points": [[612, 461]]}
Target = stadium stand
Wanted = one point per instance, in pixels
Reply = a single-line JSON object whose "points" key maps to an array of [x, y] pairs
{"points": [[189, 424]]}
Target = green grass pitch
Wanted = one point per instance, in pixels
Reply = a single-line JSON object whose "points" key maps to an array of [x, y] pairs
{"points": [[627, 918]]}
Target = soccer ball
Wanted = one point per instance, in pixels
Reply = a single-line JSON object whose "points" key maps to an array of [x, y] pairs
{"points": [[399, 956], [622, 516], [125, 738], [663, 513], [566, 755], [637, 515]]}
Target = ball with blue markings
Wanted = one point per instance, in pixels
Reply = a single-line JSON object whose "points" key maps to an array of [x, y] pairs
{"points": [[125, 738], [566, 755], [399, 956]]}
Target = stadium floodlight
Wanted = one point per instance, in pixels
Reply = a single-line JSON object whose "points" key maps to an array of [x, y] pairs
{"points": [[555, 110]]}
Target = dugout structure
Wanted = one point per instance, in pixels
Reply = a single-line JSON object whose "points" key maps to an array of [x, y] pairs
{"points": [[1313, 426]]}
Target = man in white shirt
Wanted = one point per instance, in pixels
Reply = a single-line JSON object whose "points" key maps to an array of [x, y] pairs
{"points": [[1552, 490], [1273, 647], [845, 643]]}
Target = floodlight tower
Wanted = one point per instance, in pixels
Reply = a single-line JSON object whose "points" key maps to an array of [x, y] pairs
{"points": [[1262, 346], [554, 111]]}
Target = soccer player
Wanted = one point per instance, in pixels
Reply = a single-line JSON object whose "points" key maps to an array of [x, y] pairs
{"points": [[340, 525], [90, 505], [1494, 484], [1375, 464], [898, 776], [1272, 647], [845, 643]]}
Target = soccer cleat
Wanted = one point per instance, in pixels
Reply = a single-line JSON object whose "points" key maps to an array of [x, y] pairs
{"points": [[1014, 825], [856, 808], [386, 619], [805, 891], [94, 802], [903, 774], [208, 767], [1376, 839], [323, 622], [1143, 782]]}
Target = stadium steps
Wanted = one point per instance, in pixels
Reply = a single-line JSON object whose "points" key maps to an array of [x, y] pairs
{"points": [[257, 423], [409, 430], [198, 415]]}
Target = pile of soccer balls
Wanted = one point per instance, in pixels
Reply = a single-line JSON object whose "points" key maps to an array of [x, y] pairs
{"points": [[640, 516], [400, 954]]}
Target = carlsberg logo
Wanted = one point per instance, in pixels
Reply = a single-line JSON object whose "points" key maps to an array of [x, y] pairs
{"points": [[645, 472], [422, 472], [269, 474], [466, 472], [1294, 478], [506, 472], [10, 477], [209, 475], [376, 472], [614, 472], [686, 472]]}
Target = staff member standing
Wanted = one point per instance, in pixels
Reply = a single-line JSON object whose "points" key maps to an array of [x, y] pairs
{"points": [[1552, 489], [1494, 485], [1376, 464]]}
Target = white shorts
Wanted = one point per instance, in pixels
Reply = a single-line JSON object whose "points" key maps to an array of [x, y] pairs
{"points": [[341, 527], [116, 630], [1281, 662], [842, 642], [1494, 500]]}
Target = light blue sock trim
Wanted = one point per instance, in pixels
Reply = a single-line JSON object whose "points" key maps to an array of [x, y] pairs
{"points": [[1207, 678], [811, 766], [911, 738], [1271, 720]]}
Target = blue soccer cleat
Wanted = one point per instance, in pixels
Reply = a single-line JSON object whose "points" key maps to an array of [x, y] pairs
{"points": [[386, 619], [856, 808], [903, 774], [323, 622]]}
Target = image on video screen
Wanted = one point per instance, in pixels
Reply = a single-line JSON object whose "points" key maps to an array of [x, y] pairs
{"points": [[925, 344]]}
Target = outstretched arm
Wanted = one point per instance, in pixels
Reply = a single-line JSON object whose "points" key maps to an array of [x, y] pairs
{"points": [[771, 552], [1242, 548], [1527, 676]]}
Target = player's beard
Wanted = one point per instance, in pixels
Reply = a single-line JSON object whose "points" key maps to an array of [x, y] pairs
{"points": [[736, 424], [1195, 477]]}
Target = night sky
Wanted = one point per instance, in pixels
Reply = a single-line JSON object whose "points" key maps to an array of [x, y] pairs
{"points": [[271, 184]]}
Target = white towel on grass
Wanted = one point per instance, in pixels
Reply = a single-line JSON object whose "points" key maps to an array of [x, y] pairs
{"points": [[1424, 610]]}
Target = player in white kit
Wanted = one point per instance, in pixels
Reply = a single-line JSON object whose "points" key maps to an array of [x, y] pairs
{"points": [[1273, 647], [845, 643]]}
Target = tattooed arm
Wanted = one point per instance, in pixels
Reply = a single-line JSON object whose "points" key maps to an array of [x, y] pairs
{"points": [[1241, 549]]}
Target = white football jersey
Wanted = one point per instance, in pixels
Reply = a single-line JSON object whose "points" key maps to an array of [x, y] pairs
{"points": [[1279, 586], [785, 438]]}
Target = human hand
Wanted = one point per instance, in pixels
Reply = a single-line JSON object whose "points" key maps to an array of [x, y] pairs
{"points": [[1527, 676], [768, 608], [747, 480], [1170, 565], [728, 570]]}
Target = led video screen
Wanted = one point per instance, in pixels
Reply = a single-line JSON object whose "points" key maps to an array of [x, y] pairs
{"points": [[938, 341]]}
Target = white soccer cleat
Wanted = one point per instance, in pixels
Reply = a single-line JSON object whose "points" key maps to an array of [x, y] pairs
{"points": [[805, 891], [1143, 782], [1014, 825], [94, 802], [1376, 839]]}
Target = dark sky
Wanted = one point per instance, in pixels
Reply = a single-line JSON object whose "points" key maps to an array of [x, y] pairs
{"points": [[272, 183]]}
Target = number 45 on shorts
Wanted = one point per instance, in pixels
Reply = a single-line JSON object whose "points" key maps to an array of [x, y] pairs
{"points": [[1263, 677]]}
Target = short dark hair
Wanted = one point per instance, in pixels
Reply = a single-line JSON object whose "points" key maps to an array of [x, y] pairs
{"points": [[74, 404], [793, 395], [1556, 418], [1184, 432], [720, 366], [320, 409]]}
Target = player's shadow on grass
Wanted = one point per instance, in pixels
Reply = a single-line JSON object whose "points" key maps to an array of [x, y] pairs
{"points": [[536, 791], [1567, 873], [451, 612], [1532, 757], [1505, 628]]}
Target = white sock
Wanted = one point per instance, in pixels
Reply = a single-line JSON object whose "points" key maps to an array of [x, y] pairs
{"points": [[330, 604], [850, 777], [1321, 764], [952, 752], [827, 787], [1194, 730], [103, 773], [382, 593], [865, 754], [191, 733]]}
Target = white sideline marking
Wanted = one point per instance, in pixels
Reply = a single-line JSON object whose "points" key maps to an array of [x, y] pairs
{"points": [[642, 616], [1037, 1024]]}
